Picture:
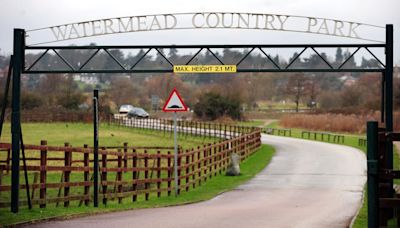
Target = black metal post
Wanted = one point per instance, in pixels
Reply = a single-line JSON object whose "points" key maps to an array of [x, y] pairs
{"points": [[372, 170], [389, 97], [96, 148], [19, 45], [383, 84]]}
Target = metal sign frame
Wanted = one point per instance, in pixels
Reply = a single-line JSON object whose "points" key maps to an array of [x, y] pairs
{"points": [[19, 68]]}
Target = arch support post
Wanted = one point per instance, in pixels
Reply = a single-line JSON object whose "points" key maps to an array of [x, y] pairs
{"points": [[19, 47], [389, 97]]}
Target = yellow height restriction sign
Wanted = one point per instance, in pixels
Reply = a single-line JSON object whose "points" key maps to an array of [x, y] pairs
{"points": [[205, 69]]}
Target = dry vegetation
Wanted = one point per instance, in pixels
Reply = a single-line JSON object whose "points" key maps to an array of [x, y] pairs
{"points": [[354, 123]]}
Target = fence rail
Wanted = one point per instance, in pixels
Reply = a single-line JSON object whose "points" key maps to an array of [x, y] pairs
{"points": [[323, 136], [184, 127], [314, 135], [362, 142], [63, 175], [278, 131]]}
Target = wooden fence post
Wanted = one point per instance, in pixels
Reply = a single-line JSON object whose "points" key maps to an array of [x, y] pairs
{"points": [[43, 164], [205, 162], [215, 159], [158, 173], [179, 170], [67, 164], [119, 174], [134, 175], [210, 162], [220, 157], [86, 162], [125, 157], [199, 171], [169, 173], [187, 170], [146, 175], [104, 174], [193, 170]]}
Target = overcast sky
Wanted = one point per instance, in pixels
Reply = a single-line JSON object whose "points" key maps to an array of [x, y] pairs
{"points": [[30, 14]]}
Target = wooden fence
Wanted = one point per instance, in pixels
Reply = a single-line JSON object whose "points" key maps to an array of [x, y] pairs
{"points": [[323, 136], [278, 131], [63, 175], [184, 127], [362, 142]]}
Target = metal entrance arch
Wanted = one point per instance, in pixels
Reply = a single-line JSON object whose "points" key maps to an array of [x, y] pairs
{"points": [[19, 67]]}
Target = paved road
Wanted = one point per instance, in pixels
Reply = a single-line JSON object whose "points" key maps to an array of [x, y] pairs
{"points": [[307, 184]]}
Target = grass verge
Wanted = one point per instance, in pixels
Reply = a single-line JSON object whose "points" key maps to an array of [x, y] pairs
{"points": [[213, 187]]}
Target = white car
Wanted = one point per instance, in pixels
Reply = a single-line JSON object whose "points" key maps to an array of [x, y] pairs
{"points": [[124, 109]]}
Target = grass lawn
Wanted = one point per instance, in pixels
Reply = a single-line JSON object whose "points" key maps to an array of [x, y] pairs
{"points": [[214, 186], [78, 134], [251, 123]]}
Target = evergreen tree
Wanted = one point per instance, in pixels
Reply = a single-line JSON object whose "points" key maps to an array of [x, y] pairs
{"points": [[339, 55]]}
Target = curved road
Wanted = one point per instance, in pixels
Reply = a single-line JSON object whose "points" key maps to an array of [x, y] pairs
{"points": [[307, 184]]}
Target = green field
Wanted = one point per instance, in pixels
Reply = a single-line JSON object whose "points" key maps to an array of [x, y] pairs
{"points": [[79, 134]]}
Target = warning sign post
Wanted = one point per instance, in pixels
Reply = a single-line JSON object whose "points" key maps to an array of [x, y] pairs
{"points": [[175, 104]]}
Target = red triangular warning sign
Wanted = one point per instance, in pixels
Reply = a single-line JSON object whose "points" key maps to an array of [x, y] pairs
{"points": [[174, 103]]}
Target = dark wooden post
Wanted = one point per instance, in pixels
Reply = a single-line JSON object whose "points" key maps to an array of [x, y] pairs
{"points": [[134, 175], [104, 174], [169, 173], [210, 162], [199, 164], [86, 162], [205, 162], [187, 170], [146, 175], [179, 170], [67, 172], [43, 164], [220, 157], [119, 174], [125, 157], [193, 169], [215, 159], [158, 173]]}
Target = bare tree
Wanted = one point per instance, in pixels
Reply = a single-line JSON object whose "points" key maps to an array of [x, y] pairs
{"points": [[312, 89], [295, 88]]}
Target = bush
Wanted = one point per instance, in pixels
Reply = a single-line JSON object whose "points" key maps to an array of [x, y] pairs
{"points": [[30, 100], [212, 106], [71, 101]]}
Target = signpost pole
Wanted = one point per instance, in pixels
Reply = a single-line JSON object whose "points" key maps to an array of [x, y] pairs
{"points": [[96, 148], [175, 157]]}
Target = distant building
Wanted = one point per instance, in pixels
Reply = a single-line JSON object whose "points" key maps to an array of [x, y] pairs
{"points": [[87, 79]]}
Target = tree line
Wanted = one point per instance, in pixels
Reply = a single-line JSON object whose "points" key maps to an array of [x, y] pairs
{"points": [[318, 90]]}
